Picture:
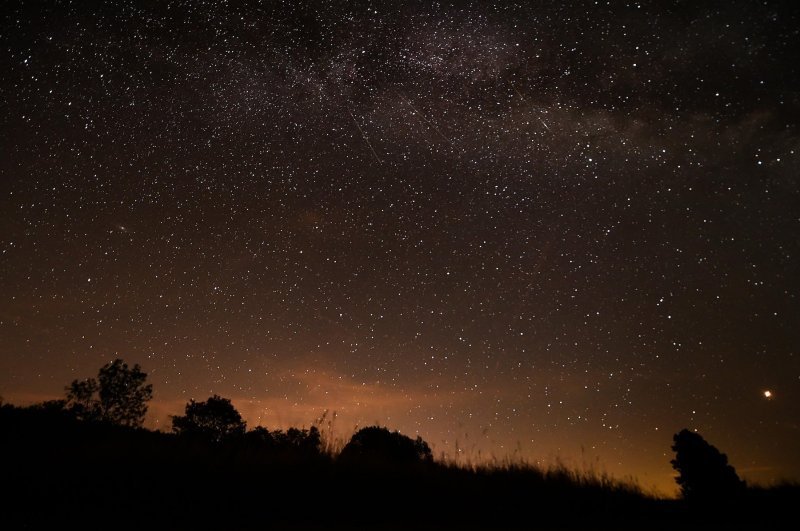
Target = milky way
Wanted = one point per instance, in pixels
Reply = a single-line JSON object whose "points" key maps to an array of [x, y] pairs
{"points": [[527, 230]]}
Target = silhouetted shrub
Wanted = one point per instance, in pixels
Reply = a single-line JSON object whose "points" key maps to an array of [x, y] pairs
{"points": [[302, 440], [214, 420], [704, 472], [294, 441], [375, 444], [259, 437]]}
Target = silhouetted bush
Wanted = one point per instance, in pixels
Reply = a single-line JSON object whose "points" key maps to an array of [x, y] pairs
{"points": [[704, 472], [377, 445], [293, 443], [308, 441], [214, 420]]}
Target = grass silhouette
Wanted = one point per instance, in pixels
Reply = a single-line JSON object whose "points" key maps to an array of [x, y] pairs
{"points": [[57, 471]]}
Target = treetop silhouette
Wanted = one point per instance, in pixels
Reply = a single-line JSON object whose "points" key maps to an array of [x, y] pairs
{"points": [[119, 395], [215, 419], [703, 471], [375, 444]]}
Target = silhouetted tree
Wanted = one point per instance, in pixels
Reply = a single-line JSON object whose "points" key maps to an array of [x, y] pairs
{"points": [[81, 399], [215, 419], [119, 395], [703, 472], [377, 444]]}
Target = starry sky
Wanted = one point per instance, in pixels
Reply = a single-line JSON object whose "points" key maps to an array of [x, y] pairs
{"points": [[547, 231]]}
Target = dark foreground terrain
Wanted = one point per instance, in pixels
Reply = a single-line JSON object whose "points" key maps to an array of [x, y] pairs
{"points": [[58, 472]]}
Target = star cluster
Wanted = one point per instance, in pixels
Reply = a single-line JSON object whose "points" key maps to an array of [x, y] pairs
{"points": [[540, 231]]}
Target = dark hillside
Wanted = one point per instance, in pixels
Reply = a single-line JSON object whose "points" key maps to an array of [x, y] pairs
{"points": [[58, 471]]}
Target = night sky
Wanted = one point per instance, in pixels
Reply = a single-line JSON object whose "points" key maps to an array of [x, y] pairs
{"points": [[528, 229]]}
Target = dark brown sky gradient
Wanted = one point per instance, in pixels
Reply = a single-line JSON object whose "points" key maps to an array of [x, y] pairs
{"points": [[547, 232]]}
